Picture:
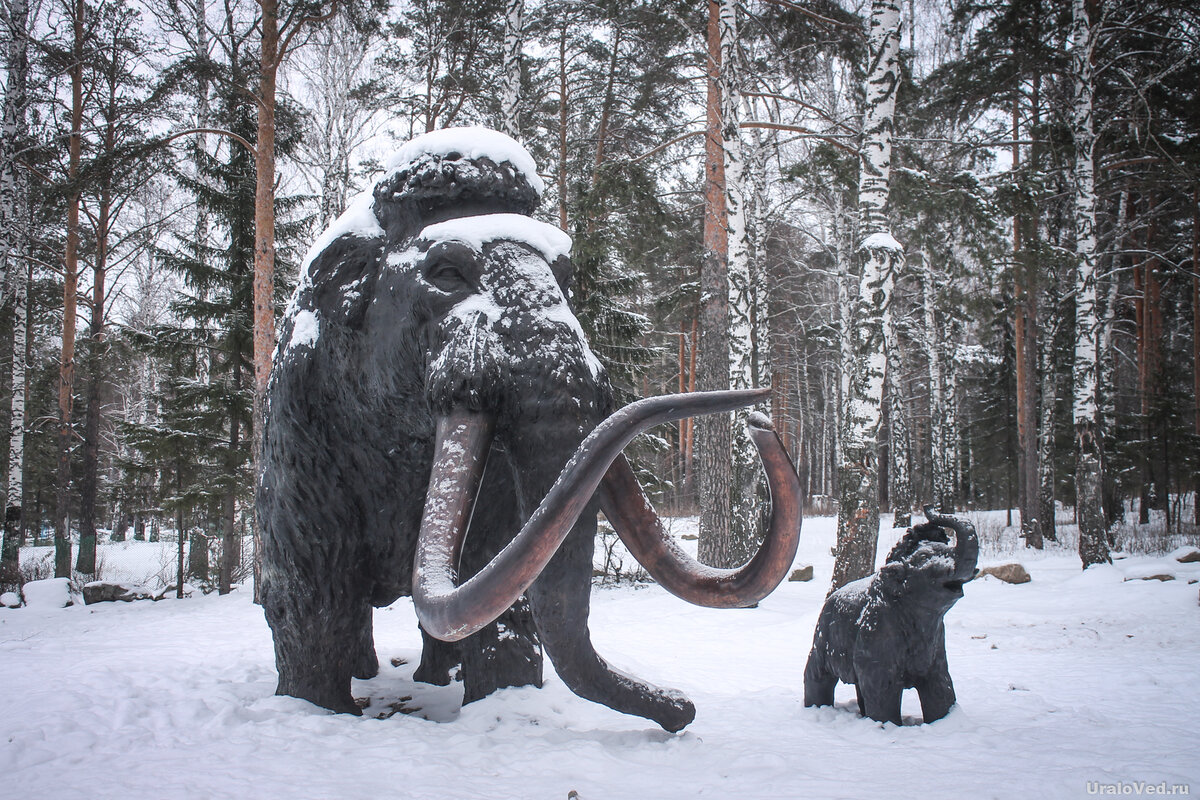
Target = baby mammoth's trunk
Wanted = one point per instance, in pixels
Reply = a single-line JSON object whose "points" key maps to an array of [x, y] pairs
{"points": [[966, 543]]}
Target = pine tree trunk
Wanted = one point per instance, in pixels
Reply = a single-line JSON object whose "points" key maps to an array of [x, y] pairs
{"points": [[1196, 341], [264, 243], [714, 478], [97, 345], [562, 125], [1025, 336], [510, 91], [89, 475], [858, 474], [66, 373], [231, 554]]}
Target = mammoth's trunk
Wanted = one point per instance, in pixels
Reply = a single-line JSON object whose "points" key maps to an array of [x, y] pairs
{"points": [[966, 543], [453, 612]]}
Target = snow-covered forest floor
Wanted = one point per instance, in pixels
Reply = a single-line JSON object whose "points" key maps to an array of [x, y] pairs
{"points": [[1069, 680]]}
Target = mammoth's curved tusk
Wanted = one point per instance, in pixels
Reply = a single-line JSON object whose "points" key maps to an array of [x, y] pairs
{"points": [[451, 612], [630, 513]]}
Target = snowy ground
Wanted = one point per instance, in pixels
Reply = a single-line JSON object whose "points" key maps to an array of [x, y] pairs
{"points": [[1070, 679]]}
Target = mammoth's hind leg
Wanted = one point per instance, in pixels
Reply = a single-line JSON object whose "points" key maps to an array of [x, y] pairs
{"points": [[819, 682], [561, 601], [366, 662]]}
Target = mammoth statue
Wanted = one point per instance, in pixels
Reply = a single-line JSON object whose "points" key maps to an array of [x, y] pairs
{"points": [[438, 427], [885, 633]]}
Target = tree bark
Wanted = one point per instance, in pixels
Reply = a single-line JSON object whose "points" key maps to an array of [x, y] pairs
{"points": [[1196, 341], [264, 241], [714, 477], [14, 273], [1089, 476], [66, 371], [1025, 338], [858, 475], [510, 91]]}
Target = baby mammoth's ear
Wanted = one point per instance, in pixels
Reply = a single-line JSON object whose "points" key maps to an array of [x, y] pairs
{"points": [[892, 577]]}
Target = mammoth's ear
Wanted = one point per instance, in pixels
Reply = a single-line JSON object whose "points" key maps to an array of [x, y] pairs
{"points": [[564, 273], [892, 577]]}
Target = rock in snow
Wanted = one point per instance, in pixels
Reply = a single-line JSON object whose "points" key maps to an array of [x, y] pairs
{"points": [[48, 593], [1009, 573], [1186, 555], [804, 573], [111, 591], [10, 600]]}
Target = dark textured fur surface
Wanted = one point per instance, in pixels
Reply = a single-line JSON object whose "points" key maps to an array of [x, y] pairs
{"points": [[885, 633], [348, 443]]}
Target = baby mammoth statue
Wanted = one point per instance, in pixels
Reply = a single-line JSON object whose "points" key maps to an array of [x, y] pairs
{"points": [[884, 633]]}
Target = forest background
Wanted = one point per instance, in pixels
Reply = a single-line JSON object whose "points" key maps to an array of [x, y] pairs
{"points": [[959, 240]]}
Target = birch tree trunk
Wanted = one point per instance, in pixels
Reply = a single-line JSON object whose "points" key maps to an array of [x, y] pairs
{"points": [[14, 230], [1046, 431], [510, 90], [1089, 476], [744, 530], [858, 484], [899, 445], [939, 444]]}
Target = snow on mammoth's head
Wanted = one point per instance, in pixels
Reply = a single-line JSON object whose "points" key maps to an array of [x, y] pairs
{"points": [[456, 166], [477, 231]]}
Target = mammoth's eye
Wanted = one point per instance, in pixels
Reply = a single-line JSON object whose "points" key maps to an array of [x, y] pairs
{"points": [[451, 267]]}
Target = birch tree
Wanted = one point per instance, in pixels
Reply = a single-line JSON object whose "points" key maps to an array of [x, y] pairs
{"points": [[14, 269], [882, 255], [1089, 479], [510, 70]]}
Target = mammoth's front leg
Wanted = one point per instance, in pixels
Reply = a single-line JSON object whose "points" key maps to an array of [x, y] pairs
{"points": [[506, 652], [935, 688], [561, 599], [318, 629]]}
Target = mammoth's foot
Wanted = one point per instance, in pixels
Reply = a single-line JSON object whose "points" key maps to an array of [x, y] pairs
{"points": [[319, 646], [505, 653]]}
